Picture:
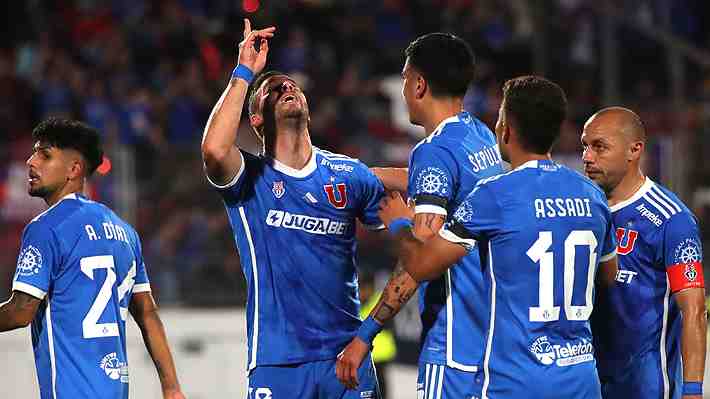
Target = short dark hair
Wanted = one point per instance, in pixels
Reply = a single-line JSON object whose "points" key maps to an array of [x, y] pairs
{"points": [[255, 86], [538, 107], [66, 133], [445, 60]]}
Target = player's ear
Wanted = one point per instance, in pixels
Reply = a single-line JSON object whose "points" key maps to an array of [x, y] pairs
{"points": [[421, 87], [256, 120], [636, 150]]}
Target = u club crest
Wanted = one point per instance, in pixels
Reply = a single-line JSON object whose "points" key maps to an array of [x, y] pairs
{"points": [[278, 189], [337, 195]]}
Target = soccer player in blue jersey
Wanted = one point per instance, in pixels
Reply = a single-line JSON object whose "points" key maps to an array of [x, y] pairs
{"points": [[458, 151], [545, 236], [293, 210], [650, 331], [80, 272]]}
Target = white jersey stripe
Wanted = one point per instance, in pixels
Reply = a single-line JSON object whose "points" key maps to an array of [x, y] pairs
{"points": [[662, 202], [667, 198], [50, 339], [450, 328], [255, 276], [657, 206], [432, 382], [440, 382], [489, 343], [426, 380], [662, 349]]}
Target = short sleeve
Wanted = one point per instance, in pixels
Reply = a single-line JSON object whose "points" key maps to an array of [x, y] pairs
{"points": [[372, 192], [38, 260], [230, 191], [609, 245], [477, 218], [432, 174], [683, 253], [142, 283]]}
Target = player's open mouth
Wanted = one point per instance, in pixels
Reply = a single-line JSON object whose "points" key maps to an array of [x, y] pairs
{"points": [[33, 177], [288, 98]]}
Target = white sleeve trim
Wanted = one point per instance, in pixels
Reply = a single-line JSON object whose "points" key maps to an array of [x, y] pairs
{"points": [[611, 255], [28, 289], [145, 287], [435, 209], [374, 227], [234, 179], [447, 235]]}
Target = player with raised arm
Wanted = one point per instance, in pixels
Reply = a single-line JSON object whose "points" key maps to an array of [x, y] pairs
{"points": [[458, 151], [545, 235], [650, 331], [293, 211], [80, 272]]}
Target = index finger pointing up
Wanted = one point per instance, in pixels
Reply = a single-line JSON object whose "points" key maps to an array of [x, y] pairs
{"points": [[247, 27]]}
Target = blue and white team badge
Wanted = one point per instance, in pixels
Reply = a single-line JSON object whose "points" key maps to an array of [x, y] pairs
{"points": [[114, 368], [542, 349], [278, 189], [688, 252], [29, 262], [432, 181], [464, 212]]}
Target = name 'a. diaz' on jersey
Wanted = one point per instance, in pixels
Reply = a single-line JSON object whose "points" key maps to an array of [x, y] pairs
{"points": [[295, 232], [443, 169], [660, 253], [542, 230], [85, 263]]}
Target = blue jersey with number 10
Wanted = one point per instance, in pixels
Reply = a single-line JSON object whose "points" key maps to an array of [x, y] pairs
{"points": [[85, 263], [542, 230]]}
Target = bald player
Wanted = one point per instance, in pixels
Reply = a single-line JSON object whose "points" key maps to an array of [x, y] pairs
{"points": [[650, 330]]}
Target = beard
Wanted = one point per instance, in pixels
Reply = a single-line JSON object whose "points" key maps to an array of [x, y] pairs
{"points": [[41, 191]]}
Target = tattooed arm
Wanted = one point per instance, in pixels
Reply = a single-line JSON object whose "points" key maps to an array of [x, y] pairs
{"points": [[18, 311], [399, 289], [145, 313]]}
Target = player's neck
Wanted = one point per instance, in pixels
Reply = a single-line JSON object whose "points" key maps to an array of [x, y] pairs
{"points": [[69, 188], [629, 185], [520, 158], [291, 149], [441, 110]]}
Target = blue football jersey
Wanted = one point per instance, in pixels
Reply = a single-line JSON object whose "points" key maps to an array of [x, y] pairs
{"points": [[660, 253], [85, 263], [295, 233], [542, 230], [443, 169]]}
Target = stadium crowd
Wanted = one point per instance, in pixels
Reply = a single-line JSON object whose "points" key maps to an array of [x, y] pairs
{"points": [[146, 73]]}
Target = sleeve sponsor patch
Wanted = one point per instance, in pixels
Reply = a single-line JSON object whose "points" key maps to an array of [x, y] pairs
{"points": [[29, 262], [433, 180], [687, 270]]}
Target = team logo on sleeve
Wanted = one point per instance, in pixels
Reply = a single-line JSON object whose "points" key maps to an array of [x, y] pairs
{"points": [[688, 252], [432, 180], [339, 199], [278, 189], [29, 262], [114, 367], [464, 212]]}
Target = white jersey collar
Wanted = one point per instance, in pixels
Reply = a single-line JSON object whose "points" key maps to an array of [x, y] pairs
{"points": [[635, 197], [298, 173]]}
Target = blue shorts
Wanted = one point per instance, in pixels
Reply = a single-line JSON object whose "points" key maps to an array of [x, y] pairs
{"points": [[312, 380], [437, 381], [644, 378]]}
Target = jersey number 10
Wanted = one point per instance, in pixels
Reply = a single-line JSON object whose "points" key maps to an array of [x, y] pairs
{"points": [[91, 326], [538, 252]]}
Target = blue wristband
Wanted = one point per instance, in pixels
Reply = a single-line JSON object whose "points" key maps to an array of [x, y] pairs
{"points": [[242, 72], [692, 388], [368, 330], [398, 224]]}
